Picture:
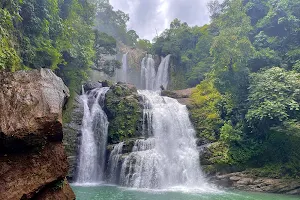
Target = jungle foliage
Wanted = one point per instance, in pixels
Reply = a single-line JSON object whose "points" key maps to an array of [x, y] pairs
{"points": [[63, 35], [245, 66]]}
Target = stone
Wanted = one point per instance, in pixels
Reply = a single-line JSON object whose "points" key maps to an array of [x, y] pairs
{"points": [[124, 109], [32, 156], [248, 182], [72, 133], [59, 190], [244, 181], [205, 154], [182, 96], [91, 85], [31, 105], [23, 175], [235, 178]]}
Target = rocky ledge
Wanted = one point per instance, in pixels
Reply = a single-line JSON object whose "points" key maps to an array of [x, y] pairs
{"points": [[246, 181], [182, 96], [33, 163]]}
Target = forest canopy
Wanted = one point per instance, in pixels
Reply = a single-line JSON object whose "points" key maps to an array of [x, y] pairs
{"points": [[245, 66]]}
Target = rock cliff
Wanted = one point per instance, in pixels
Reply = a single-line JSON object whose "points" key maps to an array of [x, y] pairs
{"points": [[33, 164]]}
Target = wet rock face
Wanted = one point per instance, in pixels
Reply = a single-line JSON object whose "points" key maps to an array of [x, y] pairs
{"points": [[72, 134], [124, 110], [30, 106], [32, 156], [92, 85]]}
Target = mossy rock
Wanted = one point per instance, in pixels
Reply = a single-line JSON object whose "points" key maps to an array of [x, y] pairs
{"points": [[124, 111]]}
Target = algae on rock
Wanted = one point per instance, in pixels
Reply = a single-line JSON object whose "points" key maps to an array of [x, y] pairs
{"points": [[124, 111]]}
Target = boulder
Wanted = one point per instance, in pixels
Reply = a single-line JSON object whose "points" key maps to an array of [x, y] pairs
{"points": [[182, 96], [92, 85], [31, 105], [32, 156], [23, 175], [124, 109], [59, 190]]}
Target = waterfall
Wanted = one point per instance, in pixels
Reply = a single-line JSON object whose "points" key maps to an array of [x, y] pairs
{"points": [[124, 68], [147, 118], [148, 72], [162, 78], [169, 158], [150, 80], [94, 137], [138, 165], [164, 156], [114, 162]]}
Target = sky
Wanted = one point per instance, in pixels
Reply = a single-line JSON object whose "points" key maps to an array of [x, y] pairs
{"points": [[151, 17]]}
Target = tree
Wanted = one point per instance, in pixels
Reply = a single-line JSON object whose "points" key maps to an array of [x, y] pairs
{"points": [[144, 45], [9, 58], [112, 22], [132, 37], [204, 110], [274, 97], [232, 47]]}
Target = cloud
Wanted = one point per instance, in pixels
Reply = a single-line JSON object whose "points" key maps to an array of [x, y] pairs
{"points": [[151, 17]]}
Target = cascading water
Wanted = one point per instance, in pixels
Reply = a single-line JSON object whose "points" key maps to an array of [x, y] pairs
{"points": [[165, 156], [150, 80], [94, 137], [113, 163], [162, 78], [124, 68], [148, 73], [169, 158]]}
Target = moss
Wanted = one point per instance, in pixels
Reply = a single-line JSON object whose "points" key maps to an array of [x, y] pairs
{"points": [[220, 153], [178, 81], [69, 106], [204, 113], [124, 113]]}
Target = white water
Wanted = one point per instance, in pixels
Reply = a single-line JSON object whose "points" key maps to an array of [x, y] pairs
{"points": [[124, 68], [148, 72], [113, 163], [162, 77], [169, 158], [152, 80], [94, 138]]}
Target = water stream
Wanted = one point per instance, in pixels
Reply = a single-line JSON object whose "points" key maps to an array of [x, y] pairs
{"points": [[169, 157], [124, 68], [152, 80], [93, 138]]}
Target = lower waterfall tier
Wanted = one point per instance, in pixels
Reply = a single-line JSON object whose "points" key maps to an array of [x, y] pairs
{"points": [[166, 158]]}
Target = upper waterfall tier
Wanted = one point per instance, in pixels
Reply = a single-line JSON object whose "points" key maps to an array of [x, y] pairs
{"points": [[124, 68], [152, 80]]}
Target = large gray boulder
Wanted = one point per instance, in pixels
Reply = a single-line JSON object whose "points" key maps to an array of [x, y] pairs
{"points": [[31, 105], [32, 158]]}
